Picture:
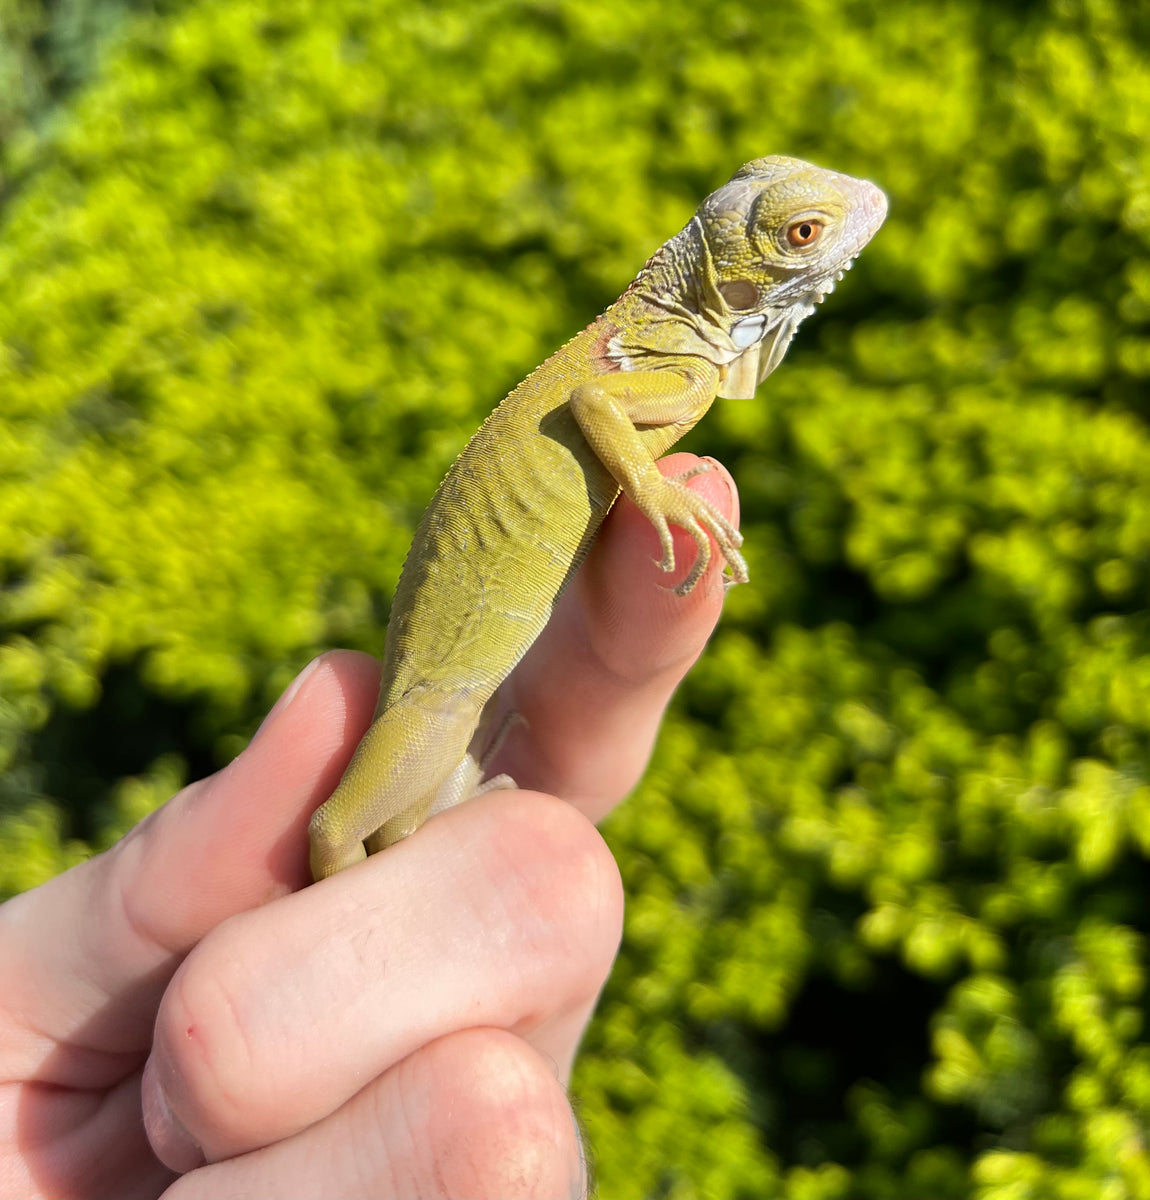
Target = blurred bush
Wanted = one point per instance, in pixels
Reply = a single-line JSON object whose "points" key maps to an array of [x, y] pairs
{"points": [[47, 50], [270, 265]]}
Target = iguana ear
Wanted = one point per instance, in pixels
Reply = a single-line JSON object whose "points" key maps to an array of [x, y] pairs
{"points": [[756, 362]]}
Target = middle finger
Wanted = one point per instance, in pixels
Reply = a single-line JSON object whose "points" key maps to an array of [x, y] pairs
{"points": [[505, 912]]}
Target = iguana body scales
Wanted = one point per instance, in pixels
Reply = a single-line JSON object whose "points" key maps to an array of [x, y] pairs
{"points": [[711, 314]]}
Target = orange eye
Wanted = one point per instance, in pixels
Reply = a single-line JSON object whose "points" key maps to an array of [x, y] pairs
{"points": [[803, 233]]}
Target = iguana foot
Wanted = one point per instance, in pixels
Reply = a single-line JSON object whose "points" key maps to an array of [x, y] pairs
{"points": [[667, 501]]}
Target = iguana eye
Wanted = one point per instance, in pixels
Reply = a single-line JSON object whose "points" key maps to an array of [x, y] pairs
{"points": [[805, 232]]}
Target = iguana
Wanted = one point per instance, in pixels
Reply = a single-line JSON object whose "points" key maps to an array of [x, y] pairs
{"points": [[711, 314]]}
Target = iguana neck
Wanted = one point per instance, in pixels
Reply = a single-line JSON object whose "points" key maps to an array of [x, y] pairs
{"points": [[680, 277]]}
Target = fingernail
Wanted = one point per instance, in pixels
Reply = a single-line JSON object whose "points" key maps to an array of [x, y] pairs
{"points": [[172, 1143], [289, 694], [721, 471], [732, 490]]}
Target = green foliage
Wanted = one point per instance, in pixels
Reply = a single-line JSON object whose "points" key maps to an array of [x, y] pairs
{"points": [[48, 48], [886, 926]]}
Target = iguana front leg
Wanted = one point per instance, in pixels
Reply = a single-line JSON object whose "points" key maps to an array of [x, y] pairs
{"points": [[666, 404]]}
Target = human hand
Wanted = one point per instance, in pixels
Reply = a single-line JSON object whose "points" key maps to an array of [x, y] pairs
{"points": [[404, 1028]]}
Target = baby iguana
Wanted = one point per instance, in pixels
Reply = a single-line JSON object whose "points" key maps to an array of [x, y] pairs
{"points": [[711, 314]]}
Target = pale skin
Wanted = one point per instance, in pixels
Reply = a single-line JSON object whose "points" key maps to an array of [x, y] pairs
{"points": [[408, 1027]]}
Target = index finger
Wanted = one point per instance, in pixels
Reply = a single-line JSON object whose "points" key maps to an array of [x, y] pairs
{"points": [[593, 688], [86, 957]]}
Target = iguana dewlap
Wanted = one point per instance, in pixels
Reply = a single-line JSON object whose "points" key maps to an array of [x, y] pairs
{"points": [[711, 314]]}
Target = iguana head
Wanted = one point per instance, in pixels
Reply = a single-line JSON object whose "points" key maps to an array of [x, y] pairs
{"points": [[780, 235]]}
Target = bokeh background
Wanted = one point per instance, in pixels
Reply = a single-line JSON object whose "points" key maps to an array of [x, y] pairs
{"points": [[265, 264]]}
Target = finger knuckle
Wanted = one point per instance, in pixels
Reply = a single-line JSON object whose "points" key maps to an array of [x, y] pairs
{"points": [[202, 1037], [504, 1126], [563, 897]]}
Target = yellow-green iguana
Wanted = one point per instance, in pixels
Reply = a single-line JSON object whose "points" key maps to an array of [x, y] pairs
{"points": [[711, 314]]}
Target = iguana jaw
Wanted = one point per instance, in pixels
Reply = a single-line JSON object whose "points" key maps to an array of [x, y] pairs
{"points": [[820, 294], [759, 358], [762, 320]]}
